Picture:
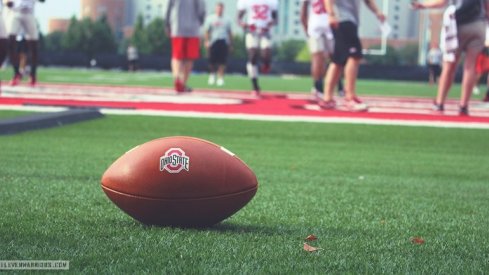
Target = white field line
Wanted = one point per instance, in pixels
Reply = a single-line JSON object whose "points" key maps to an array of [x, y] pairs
{"points": [[277, 118]]}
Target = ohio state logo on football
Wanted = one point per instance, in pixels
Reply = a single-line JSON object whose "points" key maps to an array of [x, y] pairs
{"points": [[174, 161]]}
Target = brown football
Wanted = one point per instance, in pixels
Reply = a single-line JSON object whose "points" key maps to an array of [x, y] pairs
{"points": [[179, 181]]}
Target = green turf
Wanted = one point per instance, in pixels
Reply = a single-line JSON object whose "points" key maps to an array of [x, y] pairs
{"points": [[363, 190], [235, 82]]}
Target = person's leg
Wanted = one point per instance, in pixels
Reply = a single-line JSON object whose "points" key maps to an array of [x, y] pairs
{"points": [[446, 81], [34, 50], [14, 59], [486, 98], [265, 45], [469, 77], [221, 70], [351, 73], [187, 69], [212, 64], [252, 43], [3, 50], [333, 75], [222, 61], [318, 70]]}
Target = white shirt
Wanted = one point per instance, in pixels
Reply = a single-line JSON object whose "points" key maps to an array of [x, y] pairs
{"points": [[24, 5], [259, 12], [318, 21]]}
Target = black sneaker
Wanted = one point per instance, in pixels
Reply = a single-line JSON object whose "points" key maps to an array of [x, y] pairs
{"points": [[463, 111], [439, 108]]}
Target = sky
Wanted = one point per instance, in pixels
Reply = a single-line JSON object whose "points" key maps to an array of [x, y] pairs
{"points": [[56, 9]]}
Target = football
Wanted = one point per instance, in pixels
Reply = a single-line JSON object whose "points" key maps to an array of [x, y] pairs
{"points": [[179, 181]]}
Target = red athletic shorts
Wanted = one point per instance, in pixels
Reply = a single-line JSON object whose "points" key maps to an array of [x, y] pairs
{"points": [[185, 48], [482, 64]]}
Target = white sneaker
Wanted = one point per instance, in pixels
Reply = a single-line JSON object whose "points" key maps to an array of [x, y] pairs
{"points": [[476, 91], [212, 79], [356, 105], [220, 82]]}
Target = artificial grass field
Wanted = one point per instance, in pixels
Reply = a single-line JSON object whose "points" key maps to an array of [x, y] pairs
{"points": [[364, 191], [234, 82]]}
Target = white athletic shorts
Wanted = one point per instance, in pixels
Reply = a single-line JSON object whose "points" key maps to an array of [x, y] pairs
{"points": [[23, 24], [258, 41], [3, 30], [321, 44]]}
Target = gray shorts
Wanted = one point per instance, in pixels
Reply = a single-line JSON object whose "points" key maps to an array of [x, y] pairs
{"points": [[471, 37], [321, 44]]}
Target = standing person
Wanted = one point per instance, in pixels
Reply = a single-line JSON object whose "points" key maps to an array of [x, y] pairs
{"points": [[132, 58], [261, 17], [344, 21], [3, 37], [23, 21], [320, 40], [218, 42], [465, 28], [434, 63], [183, 21]]}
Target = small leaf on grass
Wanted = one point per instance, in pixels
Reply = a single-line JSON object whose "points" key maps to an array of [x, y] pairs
{"points": [[311, 237], [417, 240], [309, 248]]}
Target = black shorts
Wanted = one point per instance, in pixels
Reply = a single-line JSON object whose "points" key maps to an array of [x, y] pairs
{"points": [[435, 69], [347, 43], [218, 53]]}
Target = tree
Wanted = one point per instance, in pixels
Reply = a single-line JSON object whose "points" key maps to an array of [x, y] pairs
{"points": [[391, 57], [73, 39], [101, 38], [140, 36], [239, 48], [409, 54], [289, 50], [304, 54], [158, 42], [53, 42]]}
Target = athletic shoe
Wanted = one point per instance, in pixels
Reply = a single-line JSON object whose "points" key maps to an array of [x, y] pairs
{"points": [[327, 105], [356, 105], [220, 82], [16, 80], [187, 89], [32, 81], [179, 87], [438, 108], [341, 93], [476, 90], [256, 93], [265, 68], [486, 98], [463, 111], [316, 95], [212, 79]]}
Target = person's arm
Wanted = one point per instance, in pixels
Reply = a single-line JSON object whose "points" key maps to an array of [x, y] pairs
{"points": [[207, 35], [169, 8], [230, 35], [373, 7], [202, 12], [241, 14], [333, 20], [304, 14], [430, 4]]}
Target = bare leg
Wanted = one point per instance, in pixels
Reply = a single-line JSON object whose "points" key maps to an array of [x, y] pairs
{"points": [[175, 68], [318, 70], [221, 69], [351, 73], [446, 80], [33, 49], [332, 77], [13, 55], [252, 68], [469, 77], [186, 70]]}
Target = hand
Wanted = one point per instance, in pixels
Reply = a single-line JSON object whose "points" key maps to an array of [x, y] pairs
{"points": [[381, 17], [415, 5], [333, 21]]}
